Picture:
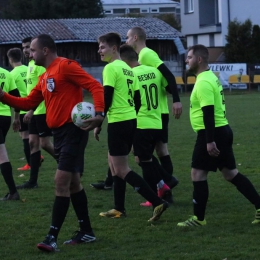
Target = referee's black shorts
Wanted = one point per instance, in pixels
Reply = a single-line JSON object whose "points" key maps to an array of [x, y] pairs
{"points": [[224, 140], [69, 147], [144, 142], [120, 137], [5, 122]]}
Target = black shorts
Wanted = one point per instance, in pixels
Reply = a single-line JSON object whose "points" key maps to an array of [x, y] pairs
{"points": [[224, 140], [24, 127], [69, 147], [38, 126], [120, 137], [164, 131], [5, 122], [144, 142]]}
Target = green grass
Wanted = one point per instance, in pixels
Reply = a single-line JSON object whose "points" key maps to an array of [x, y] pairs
{"points": [[228, 233]]}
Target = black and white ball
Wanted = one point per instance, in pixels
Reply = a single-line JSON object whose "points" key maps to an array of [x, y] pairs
{"points": [[82, 111]]}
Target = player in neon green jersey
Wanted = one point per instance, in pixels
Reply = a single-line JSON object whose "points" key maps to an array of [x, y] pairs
{"points": [[7, 84], [19, 73], [122, 99], [136, 37], [39, 132], [213, 148], [149, 121]]}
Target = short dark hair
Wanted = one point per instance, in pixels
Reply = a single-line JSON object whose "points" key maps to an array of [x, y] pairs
{"points": [[27, 39], [128, 53], [111, 39], [140, 32], [200, 50], [15, 54], [45, 40]]}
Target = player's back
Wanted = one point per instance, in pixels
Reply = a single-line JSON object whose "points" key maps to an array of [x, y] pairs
{"points": [[120, 76], [151, 83], [7, 84], [19, 74], [33, 74]]}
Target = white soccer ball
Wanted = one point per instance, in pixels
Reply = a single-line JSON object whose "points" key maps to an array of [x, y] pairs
{"points": [[82, 111]]}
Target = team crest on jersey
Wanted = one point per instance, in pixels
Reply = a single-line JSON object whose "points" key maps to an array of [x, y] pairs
{"points": [[50, 84]]}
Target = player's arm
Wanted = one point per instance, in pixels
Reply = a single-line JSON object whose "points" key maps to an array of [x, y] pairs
{"points": [[137, 100], [16, 122], [108, 94], [177, 106], [209, 122]]}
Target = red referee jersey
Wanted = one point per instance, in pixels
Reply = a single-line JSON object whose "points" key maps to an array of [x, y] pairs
{"points": [[61, 88]]}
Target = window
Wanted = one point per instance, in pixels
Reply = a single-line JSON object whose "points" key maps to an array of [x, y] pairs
{"points": [[209, 9], [145, 10], [108, 11], [189, 6], [167, 10], [134, 10], [154, 10], [119, 11]]}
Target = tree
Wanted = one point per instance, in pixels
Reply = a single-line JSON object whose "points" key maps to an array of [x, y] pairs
{"points": [[239, 42], [170, 19], [48, 9], [255, 44]]}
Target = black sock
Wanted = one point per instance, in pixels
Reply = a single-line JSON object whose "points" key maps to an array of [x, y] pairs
{"points": [[109, 179], [80, 204], [26, 149], [119, 193], [35, 165], [59, 212], [164, 174], [245, 186], [166, 163], [6, 170], [139, 185], [200, 198], [149, 172]]}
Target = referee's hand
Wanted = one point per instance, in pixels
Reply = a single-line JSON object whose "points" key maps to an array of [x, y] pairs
{"points": [[93, 123]]}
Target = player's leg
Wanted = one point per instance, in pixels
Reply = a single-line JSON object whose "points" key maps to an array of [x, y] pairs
{"points": [[5, 165], [124, 138], [107, 184], [35, 156], [202, 163], [227, 165], [45, 134], [163, 153], [24, 133]]}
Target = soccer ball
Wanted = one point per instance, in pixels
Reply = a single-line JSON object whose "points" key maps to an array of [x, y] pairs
{"points": [[82, 111]]}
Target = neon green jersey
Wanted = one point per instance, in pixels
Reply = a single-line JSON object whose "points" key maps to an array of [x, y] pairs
{"points": [[33, 74], [207, 91], [149, 57], [150, 82], [7, 84], [120, 76], [19, 74]]}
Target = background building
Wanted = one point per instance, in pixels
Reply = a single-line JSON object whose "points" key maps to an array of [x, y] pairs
{"points": [[206, 21], [146, 8]]}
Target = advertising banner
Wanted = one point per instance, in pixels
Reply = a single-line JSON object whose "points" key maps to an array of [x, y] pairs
{"points": [[224, 70]]}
